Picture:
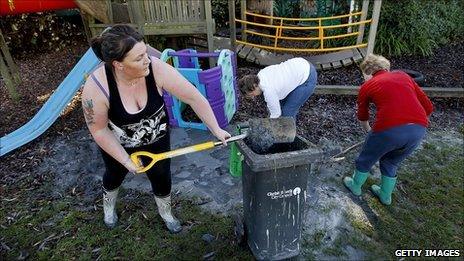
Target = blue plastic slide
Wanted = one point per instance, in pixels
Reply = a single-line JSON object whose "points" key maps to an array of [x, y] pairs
{"points": [[52, 109]]}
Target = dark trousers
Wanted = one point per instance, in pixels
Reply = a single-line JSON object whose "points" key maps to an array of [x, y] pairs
{"points": [[390, 148], [295, 99], [159, 175]]}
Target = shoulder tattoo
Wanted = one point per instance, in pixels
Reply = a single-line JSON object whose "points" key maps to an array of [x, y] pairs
{"points": [[89, 114]]}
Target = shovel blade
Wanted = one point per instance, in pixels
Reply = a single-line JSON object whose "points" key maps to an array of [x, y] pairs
{"points": [[265, 132]]}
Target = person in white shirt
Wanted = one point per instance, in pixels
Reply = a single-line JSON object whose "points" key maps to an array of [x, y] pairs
{"points": [[285, 86]]}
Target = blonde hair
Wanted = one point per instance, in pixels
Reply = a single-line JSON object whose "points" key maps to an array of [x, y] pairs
{"points": [[374, 63]]}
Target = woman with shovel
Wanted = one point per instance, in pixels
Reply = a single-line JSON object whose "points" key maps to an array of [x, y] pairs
{"points": [[125, 112], [402, 111]]}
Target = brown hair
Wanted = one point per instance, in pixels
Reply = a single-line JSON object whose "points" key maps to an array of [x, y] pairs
{"points": [[374, 63], [115, 42], [248, 83]]}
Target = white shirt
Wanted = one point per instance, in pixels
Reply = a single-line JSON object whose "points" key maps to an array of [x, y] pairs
{"points": [[277, 81]]}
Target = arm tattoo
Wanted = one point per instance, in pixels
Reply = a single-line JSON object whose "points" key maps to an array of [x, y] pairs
{"points": [[88, 112]]}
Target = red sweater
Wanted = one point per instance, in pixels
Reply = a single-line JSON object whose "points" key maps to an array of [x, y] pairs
{"points": [[397, 98]]}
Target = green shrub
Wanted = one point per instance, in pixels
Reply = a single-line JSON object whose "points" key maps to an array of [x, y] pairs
{"points": [[418, 26], [220, 12], [286, 8]]}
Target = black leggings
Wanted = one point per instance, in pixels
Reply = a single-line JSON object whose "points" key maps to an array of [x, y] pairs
{"points": [[159, 175]]}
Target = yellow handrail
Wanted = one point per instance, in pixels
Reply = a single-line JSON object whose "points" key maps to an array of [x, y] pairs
{"points": [[301, 38], [303, 50], [279, 33], [341, 35], [303, 18], [346, 25], [282, 37], [304, 27], [321, 35], [257, 24]]}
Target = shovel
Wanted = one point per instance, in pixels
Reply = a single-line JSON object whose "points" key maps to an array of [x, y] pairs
{"points": [[261, 134], [174, 153]]}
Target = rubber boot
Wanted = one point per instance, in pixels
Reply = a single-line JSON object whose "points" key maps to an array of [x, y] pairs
{"points": [[355, 182], [109, 207], [164, 209], [384, 191]]}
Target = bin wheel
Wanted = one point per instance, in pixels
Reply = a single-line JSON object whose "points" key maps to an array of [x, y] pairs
{"points": [[417, 76], [239, 230]]}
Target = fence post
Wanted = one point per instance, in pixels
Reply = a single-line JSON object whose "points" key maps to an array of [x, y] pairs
{"points": [[209, 31], [365, 8], [373, 28], [243, 8], [233, 32]]}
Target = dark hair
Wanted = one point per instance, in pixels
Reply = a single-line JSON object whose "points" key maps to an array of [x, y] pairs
{"points": [[247, 83], [115, 42]]}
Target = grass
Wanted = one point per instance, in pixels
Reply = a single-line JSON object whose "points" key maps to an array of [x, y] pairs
{"points": [[71, 227], [310, 243], [427, 210]]}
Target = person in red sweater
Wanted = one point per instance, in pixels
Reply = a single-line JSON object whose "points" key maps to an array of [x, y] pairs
{"points": [[402, 111]]}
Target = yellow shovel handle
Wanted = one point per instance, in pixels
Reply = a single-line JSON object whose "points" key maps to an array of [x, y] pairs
{"points": [[154, 158], [169, 154]]}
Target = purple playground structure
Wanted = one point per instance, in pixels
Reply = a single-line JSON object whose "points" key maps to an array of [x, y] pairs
{"points": [[217, 84]]}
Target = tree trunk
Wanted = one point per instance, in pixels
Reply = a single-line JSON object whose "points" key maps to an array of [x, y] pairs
{"points": [[260, 6], [97, 9], [8, 70], [264, 7], [307, 8]]}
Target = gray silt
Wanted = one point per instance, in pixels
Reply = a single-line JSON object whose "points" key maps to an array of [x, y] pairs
{"points": [[204, 176]]}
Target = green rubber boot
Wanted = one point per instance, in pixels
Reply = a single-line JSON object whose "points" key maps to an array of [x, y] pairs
{"points": [[355, 182], [384, 191]]}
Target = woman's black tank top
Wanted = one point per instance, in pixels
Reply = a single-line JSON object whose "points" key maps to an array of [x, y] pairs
{"points": [[143, 128]]}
